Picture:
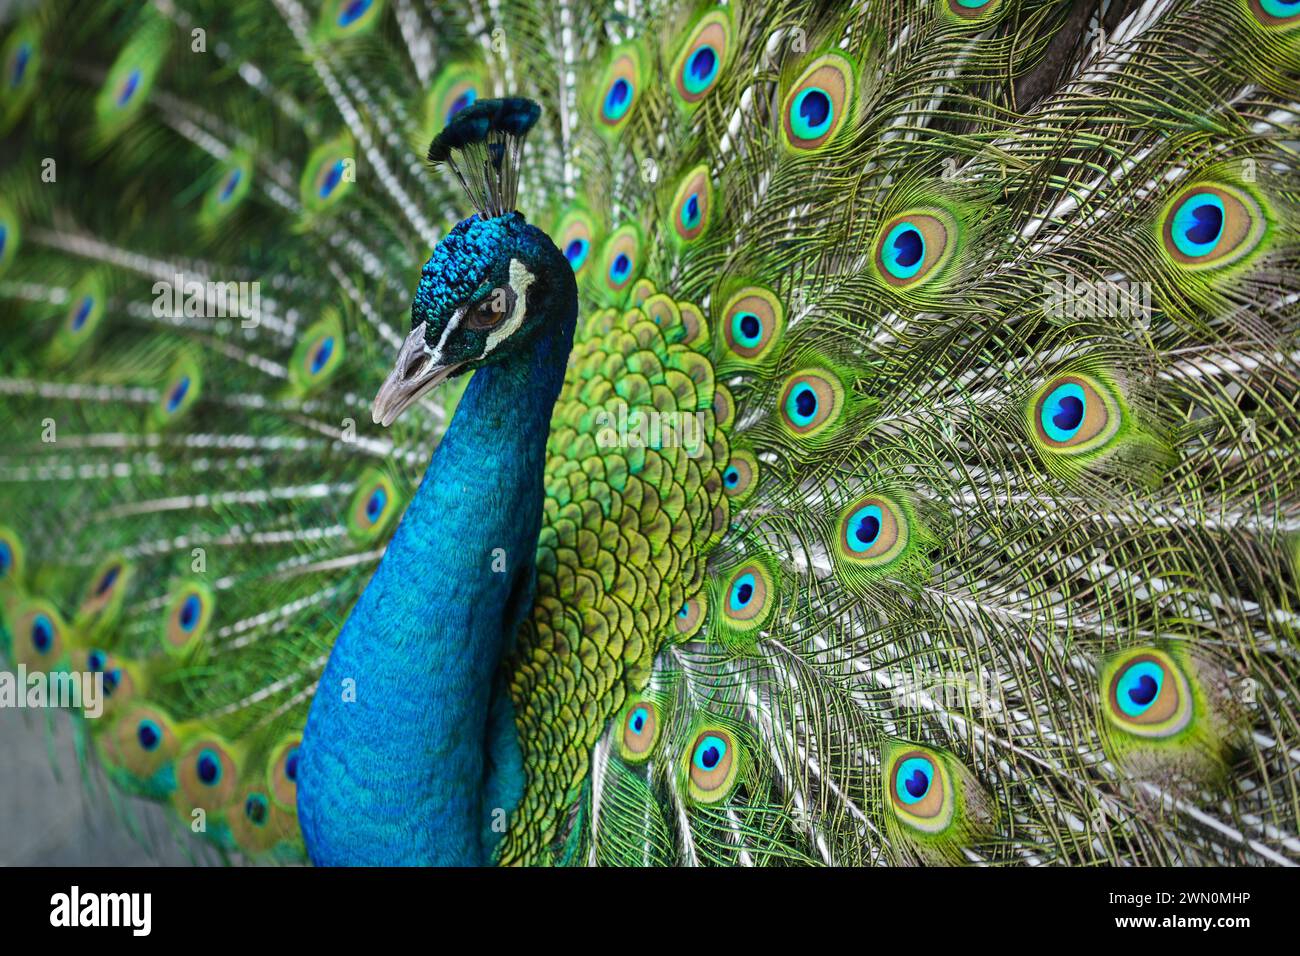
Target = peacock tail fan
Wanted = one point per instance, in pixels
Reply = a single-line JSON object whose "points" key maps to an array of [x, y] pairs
{"points": [[923, 488]]}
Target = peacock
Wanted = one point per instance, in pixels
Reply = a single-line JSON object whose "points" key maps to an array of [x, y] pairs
{"points": [[662, 432]]}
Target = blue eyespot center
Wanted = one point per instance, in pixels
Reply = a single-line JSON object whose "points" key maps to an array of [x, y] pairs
{"points": [[352, 12], [638, 720], [128, 87], [149, 734], [618, 99], [701, 68], [191, 611], [1139, 687], [95, 660], [375, 504], [178, 393], [576, 252], [321, 357], [256, 809], [903, 252], [291, 765], [6, 558], [685, 611], [22, 56], [459, 103], [83, 312], [811, 113], [331, 176], [691, 211], [865, 524], [208, 767], [231, 182], [709, 752], [913, 780], [742, 591], [108, 579], [1198, 225], [731, 477], [621, 267], [1064, 411], [802, 404], [42, 633]]}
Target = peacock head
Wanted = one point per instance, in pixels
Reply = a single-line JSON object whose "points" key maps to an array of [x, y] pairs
{"points": [[494, 283]]}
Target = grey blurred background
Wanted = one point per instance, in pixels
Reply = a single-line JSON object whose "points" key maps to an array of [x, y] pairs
{"points": [[49, 818]]}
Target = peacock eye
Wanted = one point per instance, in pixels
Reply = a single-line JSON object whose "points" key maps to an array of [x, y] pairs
{"points": [[811, 401], [692, 204], [188, 616], [690, 617], [913, 246], [752, 320], [1148, 695], [491, 311], [872, 531], [919, 791], [621, 89], [1209, 225], [1074, 414], [640, 730], [713, 765], [815, 108], [149, 734], [701, 57]]}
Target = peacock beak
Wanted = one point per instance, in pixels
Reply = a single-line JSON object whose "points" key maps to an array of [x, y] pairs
{"points": [[414, 375]]}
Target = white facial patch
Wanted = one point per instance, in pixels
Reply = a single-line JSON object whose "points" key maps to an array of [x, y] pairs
{"points": [[520, 280]]}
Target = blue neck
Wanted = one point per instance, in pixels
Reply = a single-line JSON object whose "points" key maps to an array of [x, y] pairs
{"points": [[402, 773]]}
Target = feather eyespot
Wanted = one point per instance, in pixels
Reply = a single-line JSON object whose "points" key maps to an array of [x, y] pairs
{"points": [[622, 259], [740, 475], [690, 617], [693, 204], [1276, 13], [872, 531], [105, 589], [920, 790], [38, 636], [815, 108], [640, 731], [179, 393], [232, 186], [1209, 225], [914, 247], [207, 773], [329, 175], [319, 353], [1147, 694], [752, 320], [126, 86], [575, 236], [620, 89], [188, 615], [141, 741], [702, 57], [748, 596], [1073, 414], [713, 765], [811, 401], [373, 507], [83, 315]]}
